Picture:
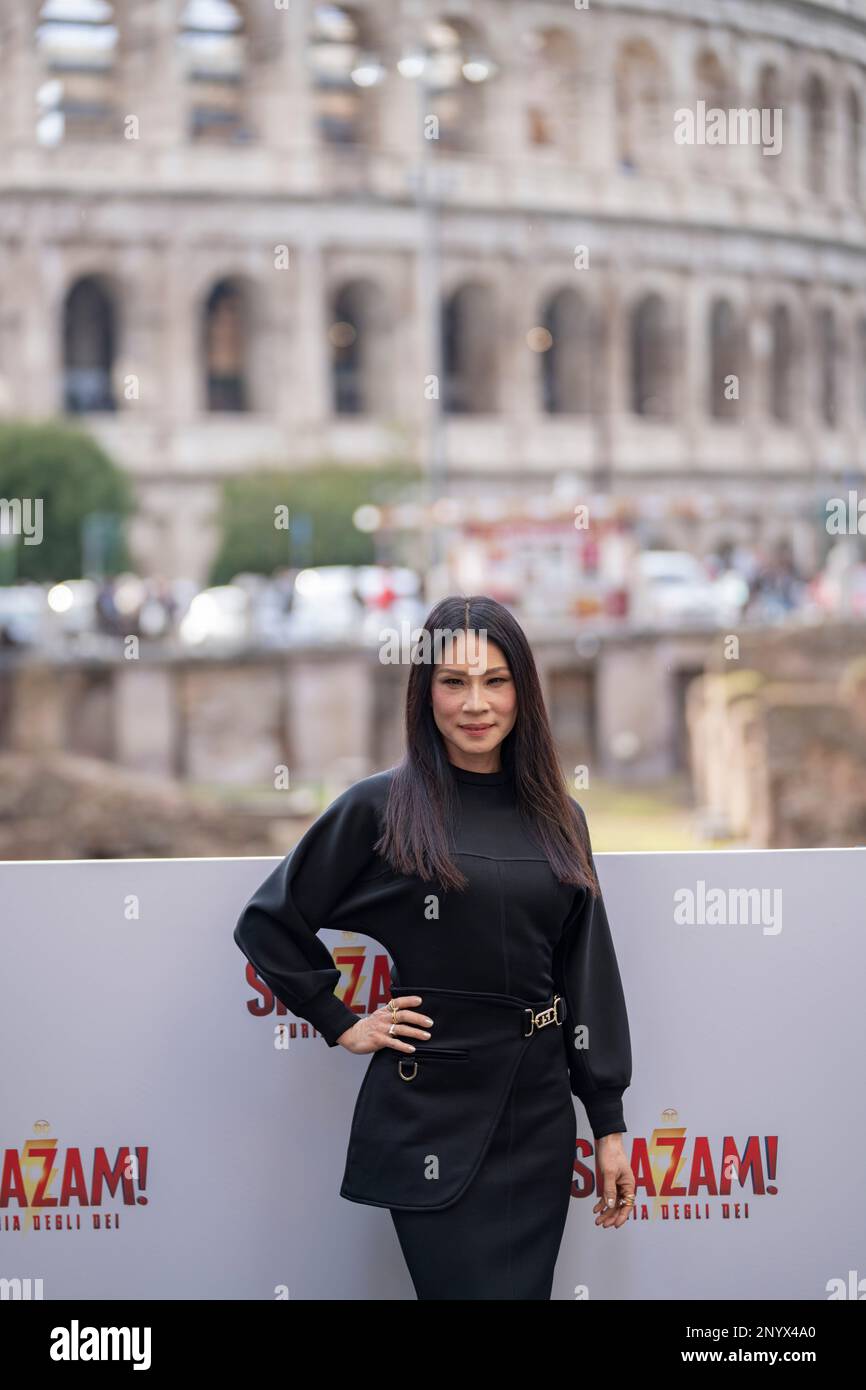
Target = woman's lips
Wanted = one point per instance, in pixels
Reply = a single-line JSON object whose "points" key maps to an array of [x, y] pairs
{"points": [[475, 728]]}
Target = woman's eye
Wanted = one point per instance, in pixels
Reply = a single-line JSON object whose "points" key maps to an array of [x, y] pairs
{"points": [[455, 680]]}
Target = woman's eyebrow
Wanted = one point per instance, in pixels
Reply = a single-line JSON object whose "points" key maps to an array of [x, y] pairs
{"points": [[457, 671]]}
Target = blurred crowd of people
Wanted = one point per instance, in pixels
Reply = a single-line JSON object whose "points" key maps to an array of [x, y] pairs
{"points": [[777, 586]]}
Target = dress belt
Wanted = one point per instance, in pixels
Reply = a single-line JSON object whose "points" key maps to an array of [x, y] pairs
{"points": [[529, 1018]]}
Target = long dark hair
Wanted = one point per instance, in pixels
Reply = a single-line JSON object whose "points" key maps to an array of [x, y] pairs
{"points": [[422, 800]]}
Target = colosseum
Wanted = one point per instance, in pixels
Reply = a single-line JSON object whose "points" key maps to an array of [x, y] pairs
{"points": [[503, 239]]}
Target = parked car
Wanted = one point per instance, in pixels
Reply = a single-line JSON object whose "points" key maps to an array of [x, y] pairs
{"points": [[72, 606], [671, 586], [217, 615], [392, 596], [23, 614], [325, 605]]}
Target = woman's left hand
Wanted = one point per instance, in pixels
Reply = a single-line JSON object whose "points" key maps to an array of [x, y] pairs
{"points": [[618, 1182]]}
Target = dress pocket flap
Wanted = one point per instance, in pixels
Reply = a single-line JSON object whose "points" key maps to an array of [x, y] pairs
{"points": [[419, 1134]]}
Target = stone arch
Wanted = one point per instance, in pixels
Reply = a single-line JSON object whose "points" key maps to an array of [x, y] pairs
{"points": [[469, 350], [854, 144], [651, 341], [726, 358], [90, 344], [213, 42], [569, 365], [712, 86], [640, 88], [781, 364], [769, 98], [77, 45], [359, 339], [345, 66], [827, 353], [458, 66], [552, 85], [817, 117], [226, 332], [860, 359]]}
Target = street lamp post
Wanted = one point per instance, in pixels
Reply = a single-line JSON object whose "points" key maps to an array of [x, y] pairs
{"points": [[434, 451], [421, 64]]}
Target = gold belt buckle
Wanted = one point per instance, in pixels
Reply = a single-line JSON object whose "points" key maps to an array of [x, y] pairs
{"points": [[544, 1016]]}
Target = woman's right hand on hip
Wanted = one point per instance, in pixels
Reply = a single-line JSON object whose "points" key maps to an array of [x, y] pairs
{"points": [[374, 1032]]}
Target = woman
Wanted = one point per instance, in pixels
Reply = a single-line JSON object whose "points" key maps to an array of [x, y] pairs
{"points": [[473, 866]]}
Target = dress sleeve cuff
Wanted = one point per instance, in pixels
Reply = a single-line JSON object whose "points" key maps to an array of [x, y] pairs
{"points": [[604, 1112], [329, 1016]]}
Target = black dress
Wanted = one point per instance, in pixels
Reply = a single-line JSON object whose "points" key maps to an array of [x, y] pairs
{"points": [[491, 1224]]}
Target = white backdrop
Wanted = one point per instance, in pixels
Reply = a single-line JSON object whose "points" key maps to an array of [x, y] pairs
{"points": [[127, 1024]]}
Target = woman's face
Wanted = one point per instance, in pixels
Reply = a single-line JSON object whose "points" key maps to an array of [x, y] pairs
{"points": [[474, 702]]}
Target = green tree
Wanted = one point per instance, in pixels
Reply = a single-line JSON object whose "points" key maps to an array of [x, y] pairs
{"points": [[320, 501], [82, 492]]}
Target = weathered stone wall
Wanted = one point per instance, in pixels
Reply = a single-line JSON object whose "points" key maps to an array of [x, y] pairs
{"points": [[782, 764], [334, 713]]}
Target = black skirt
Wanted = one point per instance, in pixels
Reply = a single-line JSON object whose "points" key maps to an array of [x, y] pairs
{"points": [[471, 1145], [501, 1238]]}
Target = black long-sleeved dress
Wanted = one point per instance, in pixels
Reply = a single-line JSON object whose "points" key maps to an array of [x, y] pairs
{"points": [[492, 1228]]}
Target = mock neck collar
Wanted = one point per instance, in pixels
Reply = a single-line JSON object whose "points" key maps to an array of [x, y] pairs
{"points": [[480, 779]]}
